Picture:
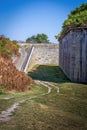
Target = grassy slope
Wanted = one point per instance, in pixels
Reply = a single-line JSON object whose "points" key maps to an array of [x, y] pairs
{"points": [[8, 47], [10, 77], [64, 111]]}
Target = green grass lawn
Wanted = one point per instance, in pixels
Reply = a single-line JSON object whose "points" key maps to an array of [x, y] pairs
{"points": [[50, 73], [66, 110]]}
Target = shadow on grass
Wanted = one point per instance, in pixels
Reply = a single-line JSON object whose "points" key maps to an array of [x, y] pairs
{"points": [[48, 73]]}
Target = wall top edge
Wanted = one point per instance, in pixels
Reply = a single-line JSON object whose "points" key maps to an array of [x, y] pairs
{"points": [[71, 29]]}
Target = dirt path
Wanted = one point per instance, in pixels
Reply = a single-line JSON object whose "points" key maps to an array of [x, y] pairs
{"points": [[6, 115], [49, 84]]}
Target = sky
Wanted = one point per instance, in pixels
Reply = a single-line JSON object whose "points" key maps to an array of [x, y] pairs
{"points": [[20, 19]]}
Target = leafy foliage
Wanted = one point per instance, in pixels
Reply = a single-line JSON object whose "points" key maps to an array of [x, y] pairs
{"points": [[31, 39], [39, 38], [76, 18], [42, 38]]}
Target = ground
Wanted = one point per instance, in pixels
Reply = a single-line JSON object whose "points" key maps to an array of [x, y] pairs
{"points": [[54, 103]]}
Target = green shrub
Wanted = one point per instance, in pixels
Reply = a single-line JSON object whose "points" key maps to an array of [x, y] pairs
{"points": [[1, 90], [3, 43], [76, 18]]}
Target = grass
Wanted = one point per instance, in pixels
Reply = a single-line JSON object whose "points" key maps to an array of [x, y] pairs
{"points": [[18, 96], [51, 73], [66, 110]]}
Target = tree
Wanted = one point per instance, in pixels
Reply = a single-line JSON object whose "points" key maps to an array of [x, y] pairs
{"points": [[56, 36], [42, 38], [39, 38], [31, 39]]}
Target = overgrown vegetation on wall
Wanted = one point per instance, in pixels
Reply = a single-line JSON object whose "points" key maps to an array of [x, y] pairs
{"points": [[77, 18], [10, 77], [8, 47]]}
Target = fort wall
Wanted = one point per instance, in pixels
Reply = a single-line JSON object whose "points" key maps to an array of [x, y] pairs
{"points": [[73, 54], [44, 54]]}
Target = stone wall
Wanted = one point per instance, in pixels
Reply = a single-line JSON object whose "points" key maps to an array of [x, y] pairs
{"points": [[44, 54], [73, 55]]}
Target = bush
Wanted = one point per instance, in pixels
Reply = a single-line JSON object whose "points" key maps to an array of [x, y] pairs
{"points": [[1, 90], [76, 18]]}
